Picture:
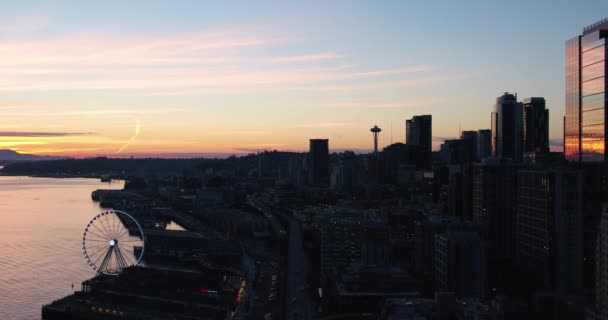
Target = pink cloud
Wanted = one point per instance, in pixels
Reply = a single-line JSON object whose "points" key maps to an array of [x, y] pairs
{"points": [[221, 62]]}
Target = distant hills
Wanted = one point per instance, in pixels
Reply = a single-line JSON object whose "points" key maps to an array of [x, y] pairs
{"points": [[10, 156]]}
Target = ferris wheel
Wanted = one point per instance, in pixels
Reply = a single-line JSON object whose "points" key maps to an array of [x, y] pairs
{"points": [[112, 241]]}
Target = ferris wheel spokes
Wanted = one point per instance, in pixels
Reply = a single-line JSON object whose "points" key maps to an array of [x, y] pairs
{"points": [[109, 242]]}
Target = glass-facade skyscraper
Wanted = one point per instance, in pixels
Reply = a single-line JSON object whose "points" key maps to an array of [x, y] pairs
{"points": [[584, 125]]}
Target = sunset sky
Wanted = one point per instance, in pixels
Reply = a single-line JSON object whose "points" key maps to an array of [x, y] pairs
{"points": [[199, 77]]}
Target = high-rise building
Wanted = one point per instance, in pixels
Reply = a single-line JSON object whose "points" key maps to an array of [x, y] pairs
{"points": [[536, 125], [345, 175], [419, 132], [424, 242], [458, 151], [340, 233], [494, 198], [584, 125], [470, 141], [297, 170], [375, 243], [549, 230], [484, 144], [460, 264], [507, 128], [494, 203], [319, 162], [601, 270]]}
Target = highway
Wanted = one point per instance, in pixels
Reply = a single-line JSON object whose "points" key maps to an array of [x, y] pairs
{"points": [[298, 301]]}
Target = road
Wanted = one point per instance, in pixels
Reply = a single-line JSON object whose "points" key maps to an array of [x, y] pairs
{"points": [[298, 301]]}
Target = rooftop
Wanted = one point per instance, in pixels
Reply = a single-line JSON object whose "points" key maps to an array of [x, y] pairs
{"points": [[596, 26]]}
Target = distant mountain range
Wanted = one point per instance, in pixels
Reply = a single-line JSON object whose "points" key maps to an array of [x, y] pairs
{"points": [[10, 156]]}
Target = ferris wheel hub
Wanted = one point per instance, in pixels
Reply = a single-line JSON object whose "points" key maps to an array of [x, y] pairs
{"points": [[112, 242]]}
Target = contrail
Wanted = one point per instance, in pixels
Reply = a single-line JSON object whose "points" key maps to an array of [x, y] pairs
{"points": [[137, 127]]}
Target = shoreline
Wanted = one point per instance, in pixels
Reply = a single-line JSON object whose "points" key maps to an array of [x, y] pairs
{"points": [[57, 176]]}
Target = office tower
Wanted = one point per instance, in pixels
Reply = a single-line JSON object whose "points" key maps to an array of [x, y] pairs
{"points": [[457, 151], [470, 141], [375, 244], [424, 244], [273, 164], [484, 144], [601, 270], [296, 170], [494, 198], [507, 128], [345, 175], [569, 231], [419, 132], [399, 155], [494, 203], [375, 132], [549, 230], [536, 125], [584, 126], [340, 241], [460, 264], [319, 162]]}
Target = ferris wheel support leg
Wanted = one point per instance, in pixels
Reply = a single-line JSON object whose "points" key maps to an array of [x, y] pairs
{"points": [[121, 260], [106, 259]]}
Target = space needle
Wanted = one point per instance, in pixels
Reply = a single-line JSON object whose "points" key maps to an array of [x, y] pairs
{"points": [[375, 131]]}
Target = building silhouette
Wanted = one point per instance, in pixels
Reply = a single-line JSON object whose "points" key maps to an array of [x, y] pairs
{"points": [[507, 128], [494, 208], [460, 264], [297, 170], [470, 141], [419, 132], [536, 125], [549, 230], [319, 162], [346, 172], [375, 243], [601, 270], [484, 144], [584, 124]]}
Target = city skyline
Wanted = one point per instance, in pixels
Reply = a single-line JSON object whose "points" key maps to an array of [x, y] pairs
{"points": [[87, 79]]}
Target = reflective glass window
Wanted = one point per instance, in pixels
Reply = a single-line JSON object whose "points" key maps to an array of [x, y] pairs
{"points": [[593, 86], [572, 121], [593, 117], [593, 143], [595, 101], [594, 55], [593, 71], [591, 41]]}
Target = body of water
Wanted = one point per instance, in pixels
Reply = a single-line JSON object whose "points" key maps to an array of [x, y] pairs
{"points": [[41, 225]]}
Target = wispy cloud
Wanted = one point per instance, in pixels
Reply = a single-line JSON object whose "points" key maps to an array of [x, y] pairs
{"points": [[42, 134], [212, 62], [383, 104]]}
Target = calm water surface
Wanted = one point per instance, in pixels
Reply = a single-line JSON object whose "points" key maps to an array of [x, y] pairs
{"points": [[41, 225]]}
